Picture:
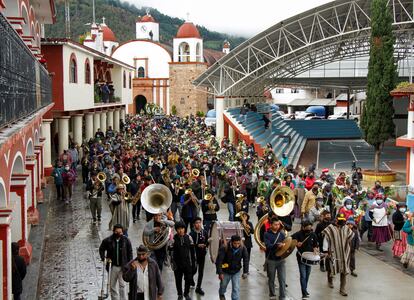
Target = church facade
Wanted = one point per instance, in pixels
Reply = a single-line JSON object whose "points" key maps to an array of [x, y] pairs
{"points": [[163, 74]]}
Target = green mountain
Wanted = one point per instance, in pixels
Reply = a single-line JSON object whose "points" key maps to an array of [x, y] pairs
{"points": [[121, 17]]}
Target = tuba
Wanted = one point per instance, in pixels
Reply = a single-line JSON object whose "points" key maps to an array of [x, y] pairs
{"points": [[282, 202], [156, 198]]}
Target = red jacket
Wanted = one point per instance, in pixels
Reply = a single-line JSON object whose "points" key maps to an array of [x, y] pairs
{"points": [[309, 182]]}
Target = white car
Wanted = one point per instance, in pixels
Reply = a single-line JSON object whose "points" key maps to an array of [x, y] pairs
{"points": [[342, 116], [302, 115]]}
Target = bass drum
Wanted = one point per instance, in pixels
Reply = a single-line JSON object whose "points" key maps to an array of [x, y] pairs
{"points": [[222, 231]]}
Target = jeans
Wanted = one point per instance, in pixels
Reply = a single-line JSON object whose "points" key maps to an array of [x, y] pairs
{"points": [[116, 277], [188, 276], [304, 272], [366, 226], [67, 191], [59, 191], [176, 206], [230, 207], [95, 205], [235, 285], [136, 210], [272, 267]]}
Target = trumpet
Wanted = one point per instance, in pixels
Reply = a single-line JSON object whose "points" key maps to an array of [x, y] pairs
{"points": [[125, 179], [127, 196], [189, 191], [195, 172], [242, 215], [101, 177]]}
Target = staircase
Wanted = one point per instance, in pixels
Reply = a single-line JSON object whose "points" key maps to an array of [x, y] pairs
{"points": [[289, 136]]}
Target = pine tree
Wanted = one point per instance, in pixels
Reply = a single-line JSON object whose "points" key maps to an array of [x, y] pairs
{"points": [[377, 118]]}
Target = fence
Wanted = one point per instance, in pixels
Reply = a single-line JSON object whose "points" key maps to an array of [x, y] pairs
{"points": [[25, 85]]}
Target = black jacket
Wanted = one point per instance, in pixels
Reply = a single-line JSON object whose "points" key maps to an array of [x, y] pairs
{"points": [[229, 261], [398, 220], [200, 238], [318, 231], [156, 288], [90, 188], [108, 245], [204, 208], [18, 274], [183, 253]]}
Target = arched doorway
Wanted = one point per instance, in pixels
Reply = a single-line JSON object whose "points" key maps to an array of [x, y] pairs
{"points": [[140, 103]]}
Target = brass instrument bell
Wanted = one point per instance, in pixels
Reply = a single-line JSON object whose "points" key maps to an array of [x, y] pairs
{"points": [[195, 172], [125, 179], [101, 177]]}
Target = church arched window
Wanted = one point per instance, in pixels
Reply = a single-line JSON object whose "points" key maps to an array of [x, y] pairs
{"points": [[73, 69], [141, 72]]}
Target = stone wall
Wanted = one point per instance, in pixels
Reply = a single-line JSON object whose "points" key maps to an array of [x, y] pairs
{"points": [[183, 94], [144, 87]]}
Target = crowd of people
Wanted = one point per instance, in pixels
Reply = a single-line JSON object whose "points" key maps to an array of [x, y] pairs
{"points": [[205, 176]]}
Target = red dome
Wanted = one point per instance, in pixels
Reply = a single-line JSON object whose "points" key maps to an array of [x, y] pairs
{"points": [[108, 35], [147, 18], [188, 30]]}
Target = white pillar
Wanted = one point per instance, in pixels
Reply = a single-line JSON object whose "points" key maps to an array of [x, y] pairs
{"points": [[116, 120], [122, 116], [103, 121], [63, 133], [96, 122], [47, 148], [219, 117], [110, 119], [89, 126], [231, 134], [77, 129]]}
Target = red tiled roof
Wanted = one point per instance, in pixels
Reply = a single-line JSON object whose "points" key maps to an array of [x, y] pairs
{"points": [[188, 30]]}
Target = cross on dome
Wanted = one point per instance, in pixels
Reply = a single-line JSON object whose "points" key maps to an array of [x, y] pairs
{"points": [[103, 20]]}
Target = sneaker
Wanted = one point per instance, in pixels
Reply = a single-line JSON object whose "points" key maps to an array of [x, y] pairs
{"points": [[322, 267], [343, 293], [134, 220], [99, 219], [66, 202], [180, 297], [94, 221], [222, 297], [330, 284], [405, 265], [200, 291], [187, 297], [354, 274], [305, 297], [307, 294]]}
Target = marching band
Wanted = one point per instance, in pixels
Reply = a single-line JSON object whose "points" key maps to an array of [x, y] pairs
{"points": [[182, 177]]}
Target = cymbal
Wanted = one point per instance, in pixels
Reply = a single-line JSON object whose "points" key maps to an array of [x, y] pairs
{"points": [[287, 249]]}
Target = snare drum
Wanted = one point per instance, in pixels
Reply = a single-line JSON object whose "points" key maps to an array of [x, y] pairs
{"points": [[222, 231], [310, 259]]}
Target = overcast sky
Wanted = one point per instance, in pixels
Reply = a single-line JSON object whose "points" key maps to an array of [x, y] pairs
{"points": [[240, 17]]}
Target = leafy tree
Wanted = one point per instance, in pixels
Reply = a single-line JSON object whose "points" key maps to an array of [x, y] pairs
{"points": [[377, 117]]}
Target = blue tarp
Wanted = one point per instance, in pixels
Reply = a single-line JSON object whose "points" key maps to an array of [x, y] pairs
{"points": [[317, 110]]}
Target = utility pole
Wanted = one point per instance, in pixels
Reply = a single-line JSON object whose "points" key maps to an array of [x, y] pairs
{"points": [[67, 19]]}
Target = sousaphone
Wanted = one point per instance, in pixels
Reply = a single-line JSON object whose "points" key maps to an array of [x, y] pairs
{"points": [[282, 202]]}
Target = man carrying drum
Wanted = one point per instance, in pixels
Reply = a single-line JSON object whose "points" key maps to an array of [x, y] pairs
{"points": [[307, 244]]}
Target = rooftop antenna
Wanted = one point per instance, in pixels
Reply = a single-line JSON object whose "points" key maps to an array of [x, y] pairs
{"points": [[188, 17], [93, 11], [148, 10], [103, 20]]}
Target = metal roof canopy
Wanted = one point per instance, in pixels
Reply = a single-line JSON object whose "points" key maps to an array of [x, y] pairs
{"points": [[331, 32]]}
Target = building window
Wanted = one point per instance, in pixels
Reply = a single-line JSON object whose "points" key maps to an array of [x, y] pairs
{"points": [[182, 101], [124, 80], [279, 91], [130, 80], [141, 72], [73, 69], [294, 91], [87, 72]]}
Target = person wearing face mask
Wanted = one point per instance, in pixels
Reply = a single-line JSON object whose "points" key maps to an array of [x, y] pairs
{"points": [[69, 178], [380, 229], [324, 222], [116, 248], [347, 208], [144, 277], [307, 242], [337, 243], [366, 221], [315, 212], [408, 256], [309, 200], [310, 180], [354, 244], [400, 237]]}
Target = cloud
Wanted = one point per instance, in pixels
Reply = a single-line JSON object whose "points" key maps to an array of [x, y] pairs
{"points": [[239, 17]]}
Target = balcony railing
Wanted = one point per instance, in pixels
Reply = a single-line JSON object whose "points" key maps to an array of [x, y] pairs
{"points": [[25, 85]]}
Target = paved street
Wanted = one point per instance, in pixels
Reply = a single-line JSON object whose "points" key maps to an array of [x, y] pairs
{"points": [[71, 268]]}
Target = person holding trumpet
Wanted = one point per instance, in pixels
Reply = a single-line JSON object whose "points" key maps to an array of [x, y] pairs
{"points": [[209, 207], [191, 206], [94, 188]]}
